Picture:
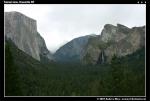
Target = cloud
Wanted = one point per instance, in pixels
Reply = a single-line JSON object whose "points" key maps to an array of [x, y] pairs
{"points": [[60, 23]]}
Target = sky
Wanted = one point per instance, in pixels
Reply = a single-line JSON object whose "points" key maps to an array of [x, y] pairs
{"points": [[60, 23]]}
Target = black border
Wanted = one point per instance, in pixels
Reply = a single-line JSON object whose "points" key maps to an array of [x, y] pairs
{"points": [[84, 1], [147, 51], [1, 50], [71, 2]]}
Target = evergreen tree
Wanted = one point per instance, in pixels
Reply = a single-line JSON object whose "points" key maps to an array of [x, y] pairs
{"points": [[117, 75], [12, 83]]}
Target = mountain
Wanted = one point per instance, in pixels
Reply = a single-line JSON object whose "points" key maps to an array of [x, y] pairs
{"points": [[73, 50], [98, 49], [22, 31], [114, 40]]}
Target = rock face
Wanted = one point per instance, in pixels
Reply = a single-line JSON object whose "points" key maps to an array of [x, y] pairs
{"points": [[114, 40], [114, 33], [73, 50], [22, 30]]}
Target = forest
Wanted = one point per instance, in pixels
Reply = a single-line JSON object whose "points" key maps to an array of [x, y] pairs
{"points": [[25, 76]]}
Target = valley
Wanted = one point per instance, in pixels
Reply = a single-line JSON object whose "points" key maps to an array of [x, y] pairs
{"points": [[109, 64]]}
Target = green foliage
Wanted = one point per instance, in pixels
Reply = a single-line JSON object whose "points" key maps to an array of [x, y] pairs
{"points": [[122, 77], [125, 78], [116, 73], [12, 79]]}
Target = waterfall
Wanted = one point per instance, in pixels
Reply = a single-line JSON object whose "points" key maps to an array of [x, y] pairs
{"points": [[102, 57]]}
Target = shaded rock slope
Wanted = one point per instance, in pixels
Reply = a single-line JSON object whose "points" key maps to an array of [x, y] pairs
{"points": [[73, 50]]}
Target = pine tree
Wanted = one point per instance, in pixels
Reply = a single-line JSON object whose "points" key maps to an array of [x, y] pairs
{"points": [[117, 74], [12, 83]]}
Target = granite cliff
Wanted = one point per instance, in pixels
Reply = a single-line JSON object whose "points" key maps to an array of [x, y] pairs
{"points": [[22, 31], [98, 49], [114, 40]]}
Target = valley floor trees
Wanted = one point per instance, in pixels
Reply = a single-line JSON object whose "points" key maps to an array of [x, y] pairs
{"points": [[27, 76]]}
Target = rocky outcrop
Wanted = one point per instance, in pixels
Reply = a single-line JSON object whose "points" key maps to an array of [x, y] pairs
{"points": [[114, 33], [114, 40], [73, 50], [22, 30]]}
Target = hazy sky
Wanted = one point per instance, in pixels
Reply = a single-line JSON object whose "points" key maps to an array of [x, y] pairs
{"points": [[60, 23]]}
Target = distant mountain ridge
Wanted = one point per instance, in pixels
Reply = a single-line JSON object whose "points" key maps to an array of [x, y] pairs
{"points": [[73, 50], [114, 40], [22, 30]]}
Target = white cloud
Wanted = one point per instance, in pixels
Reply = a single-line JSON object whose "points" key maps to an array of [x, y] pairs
{"points": [[60, 23]]}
